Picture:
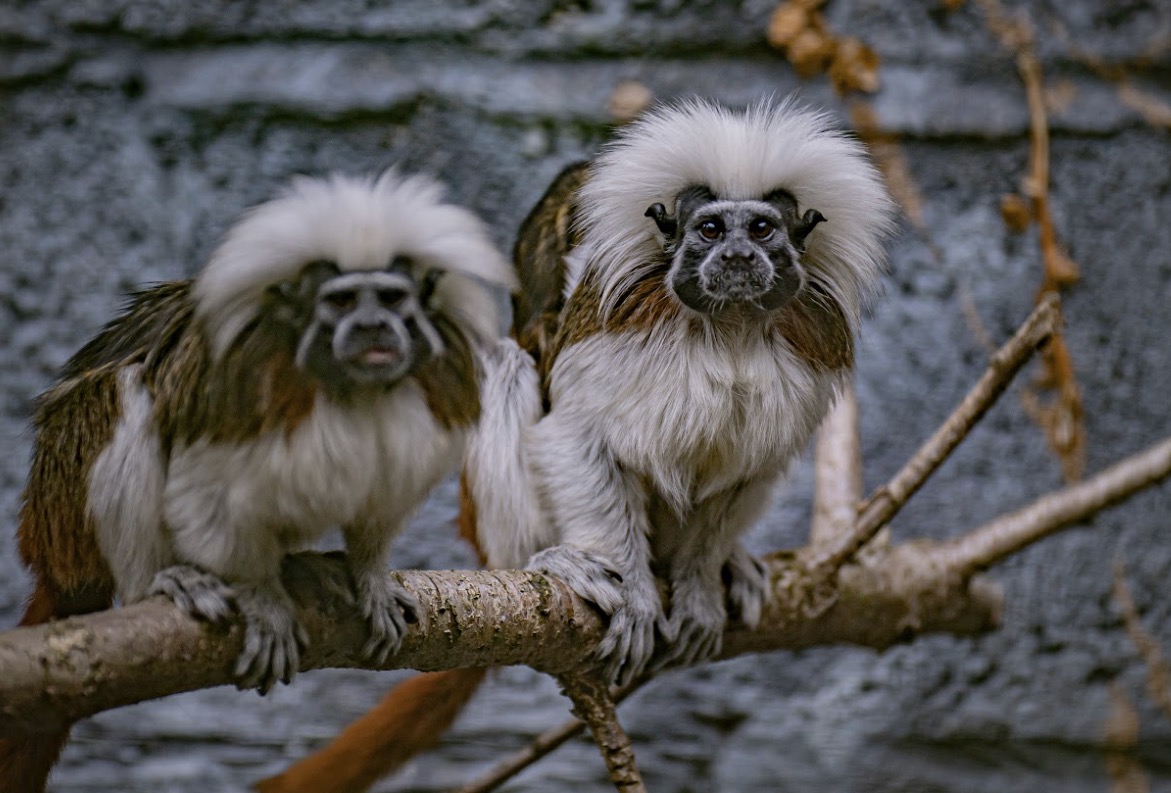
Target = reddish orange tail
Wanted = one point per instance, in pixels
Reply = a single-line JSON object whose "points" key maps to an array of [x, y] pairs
{"points": [[25, 760], [409, 720]]}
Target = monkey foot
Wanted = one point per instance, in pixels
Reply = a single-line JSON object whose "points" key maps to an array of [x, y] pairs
{"points": [[631, 601], [199, 593], [694, 630], [388, 609], [746, 582], [273, 639]]}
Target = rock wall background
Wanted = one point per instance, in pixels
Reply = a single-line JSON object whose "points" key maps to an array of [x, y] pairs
{"points": [[132, 132]]}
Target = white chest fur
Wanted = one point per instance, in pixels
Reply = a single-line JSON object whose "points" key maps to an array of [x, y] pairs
{"points": [[695, 413], [340, 465]]}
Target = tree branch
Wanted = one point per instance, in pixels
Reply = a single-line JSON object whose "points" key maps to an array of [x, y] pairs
{"points": [[887, 500], [992, 542], [595, 705], [54, 674], [837, 469]]}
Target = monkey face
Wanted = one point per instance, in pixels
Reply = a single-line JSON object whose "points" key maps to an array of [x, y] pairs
{"points": [[735, 253], [364, 327]]}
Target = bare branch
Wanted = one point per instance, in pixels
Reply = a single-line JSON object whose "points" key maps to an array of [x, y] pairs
{"points": [[889, 499], [543, 744], [594, 704], [987, 545], [837, 466]]}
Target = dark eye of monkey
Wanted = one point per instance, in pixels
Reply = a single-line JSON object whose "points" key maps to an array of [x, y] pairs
{"points": [[711, 230], [761, 229], [389, 298], [343, 300]]}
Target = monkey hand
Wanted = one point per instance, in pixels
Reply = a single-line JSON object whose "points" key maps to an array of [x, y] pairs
{"points": [[629, 598], [273, 639], [746, 583], [388, 609], [199, 593]]}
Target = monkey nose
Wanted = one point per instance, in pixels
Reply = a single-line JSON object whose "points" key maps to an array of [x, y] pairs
{"points": [[744, 255]]}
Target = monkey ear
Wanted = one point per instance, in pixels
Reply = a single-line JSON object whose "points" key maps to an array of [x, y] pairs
{"points": [[667, 224], [427, 285], [808, 221], [401, 263]]}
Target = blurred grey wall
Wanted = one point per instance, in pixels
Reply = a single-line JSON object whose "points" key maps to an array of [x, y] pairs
{"points": [[132, 132]]}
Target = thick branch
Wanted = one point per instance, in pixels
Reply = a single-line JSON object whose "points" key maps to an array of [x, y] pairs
{"points": [[54, 674], [837, 468]]}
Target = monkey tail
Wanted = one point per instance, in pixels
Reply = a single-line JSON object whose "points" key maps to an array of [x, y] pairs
{"points": [[25, 760], [409, 720]]}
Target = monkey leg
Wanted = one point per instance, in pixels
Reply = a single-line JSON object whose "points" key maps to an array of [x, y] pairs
{"points": [[746, 583], [388, 609], [273, 639], [694, 627], [199, 593], [630, 600]]}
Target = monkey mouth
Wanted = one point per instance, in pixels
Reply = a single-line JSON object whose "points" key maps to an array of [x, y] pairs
{"points": [[737, 288], [380, 356]]}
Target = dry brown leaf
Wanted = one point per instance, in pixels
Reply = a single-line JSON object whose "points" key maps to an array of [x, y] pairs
{"points": [[854, 67], [1016, 212], [786, 23], [811, 52], [628, 99]]}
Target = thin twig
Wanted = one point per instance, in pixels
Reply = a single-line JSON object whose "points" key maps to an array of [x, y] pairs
{"points": [[1158, 669], [543, 744], [889, 499], [983, 547], [594, 704], [837, 467]]}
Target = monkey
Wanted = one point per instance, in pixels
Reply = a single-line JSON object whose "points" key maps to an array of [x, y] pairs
{"points": [[712, 300], [415, 714], [318, 372], [687, 312]]}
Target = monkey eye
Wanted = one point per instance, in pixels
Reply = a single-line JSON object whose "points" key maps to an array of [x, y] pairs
{"points": [[711, 229], [390, 298], [761, 229], [341, 299]]}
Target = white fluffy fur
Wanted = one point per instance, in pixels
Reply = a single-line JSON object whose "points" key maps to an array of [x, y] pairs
{"points": [[125, 493], [665, 443], [235, 508], [738, 155], [359, 224]]}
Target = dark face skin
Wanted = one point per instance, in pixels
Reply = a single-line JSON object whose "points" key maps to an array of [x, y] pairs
{"points": [[360, 328], [735, 255]]}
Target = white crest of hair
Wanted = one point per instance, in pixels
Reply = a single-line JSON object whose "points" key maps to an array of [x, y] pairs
{"points": [[738, 155], [359, 224]]}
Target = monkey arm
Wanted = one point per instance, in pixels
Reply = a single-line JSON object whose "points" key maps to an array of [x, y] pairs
{"points": [[600, 513]]}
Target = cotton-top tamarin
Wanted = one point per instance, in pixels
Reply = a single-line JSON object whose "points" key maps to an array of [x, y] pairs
{"points": [[320, 371]]}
